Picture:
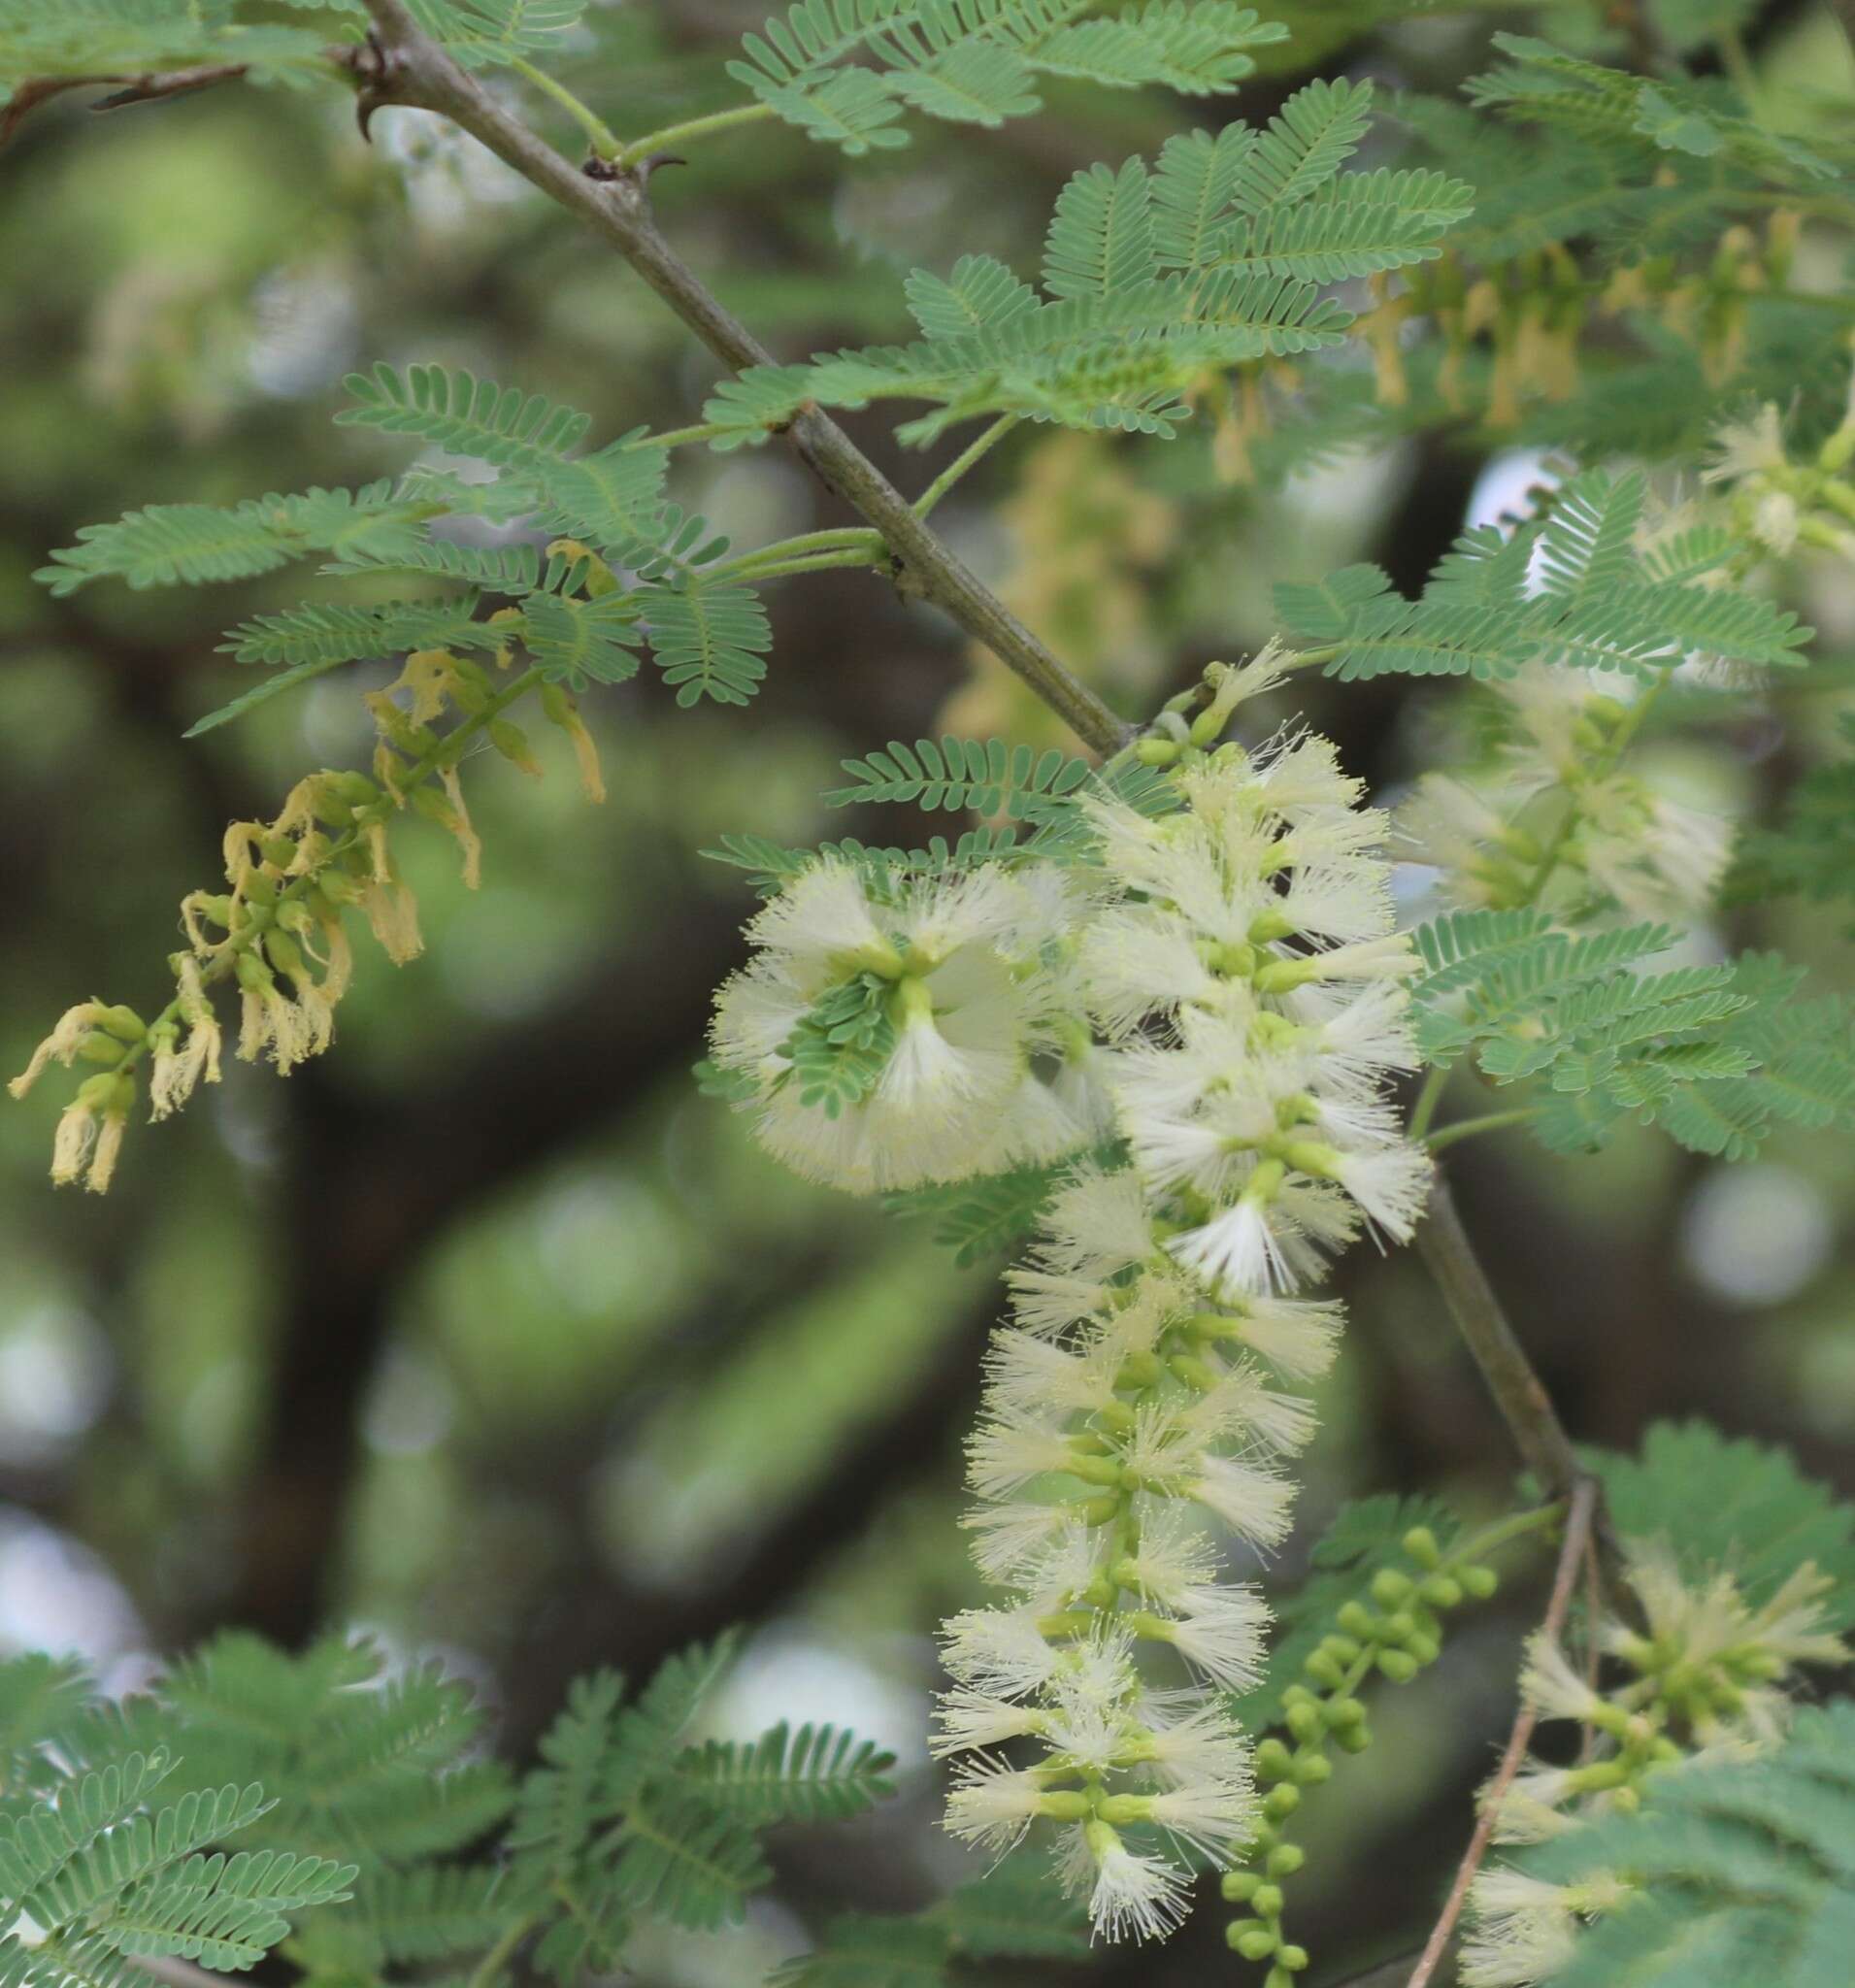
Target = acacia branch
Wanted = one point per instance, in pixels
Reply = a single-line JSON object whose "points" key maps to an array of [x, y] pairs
{"points": [[1518, 1392], [406, 67], [1576, 1547]]}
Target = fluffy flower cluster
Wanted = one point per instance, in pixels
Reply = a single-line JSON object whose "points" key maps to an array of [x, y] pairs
{"points": [[884, 1032], [1705, 1679], [1240, 965], [1614, 837], [1778, 502]]}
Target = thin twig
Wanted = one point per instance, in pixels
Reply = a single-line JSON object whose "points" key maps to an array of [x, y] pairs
{"points": [[1518, 1392], [144, 87], [409, 69], [1574, 1549]]}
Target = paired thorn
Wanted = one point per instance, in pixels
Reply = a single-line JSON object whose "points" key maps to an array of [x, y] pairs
{"points": [[376, 69]]}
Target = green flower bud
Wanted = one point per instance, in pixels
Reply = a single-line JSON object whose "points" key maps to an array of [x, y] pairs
{"points": [[1279, 1977], [1345, 1648], [98, 1047], [1425, 1648], [103, 1091], [1441, 1591], [1312, 1769], [1399, 1627], [1273, 1762], [1400, 1666], [1480, 1581], [1390, 1588], [253, 976], [1267, 1902], [1303, 1720], [1344, 1714], [1285, 1859], [1154, 751], [1240, 1886], [285, 954], [123, 1023], [1324, 1668], [1356, 1619], [279, 850], [1420, 1542], [1353, 1739], [1293, 1958], [1252, 1938], [1282, 1801]]}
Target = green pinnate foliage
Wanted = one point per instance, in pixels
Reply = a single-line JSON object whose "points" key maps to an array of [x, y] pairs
{"points": [[1593, 611], [1539, 84], [360, 1764], [1714, 1055], [116, 1852], [844, 70], [710, 640], [1010, 1914], [816, 1774], [41, 1699], [987, 775], [333, 632], [190, 545], [1493, 991], [456, 411], [581, 625], [1718, 1500], [126, 38], [1743, 1871], [839, 1051], [582, 641], [107, 1868], [983, 1220], [1152, 276]]}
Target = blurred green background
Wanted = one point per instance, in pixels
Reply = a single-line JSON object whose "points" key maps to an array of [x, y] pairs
{"points": [[486, 1330]]}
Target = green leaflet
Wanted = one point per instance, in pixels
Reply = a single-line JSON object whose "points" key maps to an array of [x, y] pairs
{"points": [[118, 1849], [1152, 276], [840, 1048], [843, 71], [1746, 1869], [984, 775]]}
